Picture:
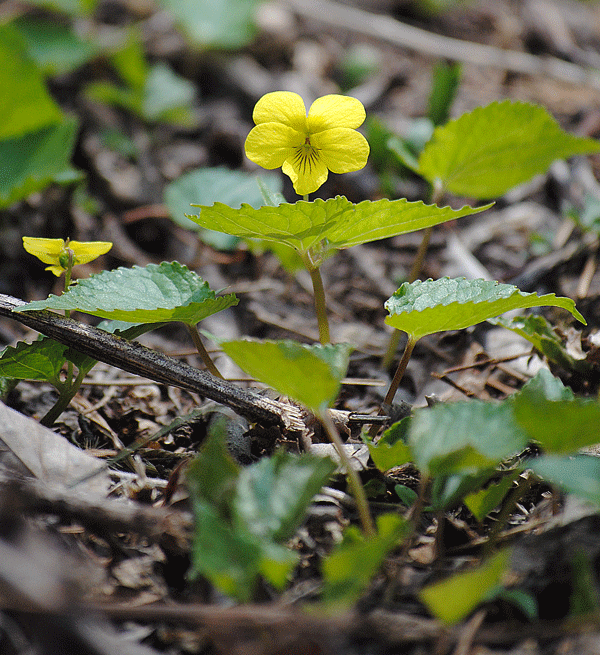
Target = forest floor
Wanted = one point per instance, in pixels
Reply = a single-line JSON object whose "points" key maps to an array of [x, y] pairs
{"points": [[83, 573]]}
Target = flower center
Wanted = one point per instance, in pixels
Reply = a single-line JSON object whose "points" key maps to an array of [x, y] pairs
{"points": [[306, 156]]}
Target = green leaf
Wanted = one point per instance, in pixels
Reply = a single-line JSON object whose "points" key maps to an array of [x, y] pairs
{"points": [[213, 23], [446, 78], [561, 425], [70, 7], [309, 374], [25, 105], [391, 449], [234, 536], [423, 308], [230, 559], [272, 495], [455, 598], [464, 437], [349, 568], [490, 150], [153, 294], [54, 47], [579, 475], [41, 360], [31, 162], [212, 474], [205, 186], [540, 333], [130, 62], [447, 491], [546, 386], [342, 224], [407, 495], [118, 96], [167, 96], [482, 502]]}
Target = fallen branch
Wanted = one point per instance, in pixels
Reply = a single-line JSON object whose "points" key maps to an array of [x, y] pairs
{"points": [[135, 358]]}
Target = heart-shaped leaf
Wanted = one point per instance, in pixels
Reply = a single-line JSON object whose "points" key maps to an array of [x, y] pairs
{"points": [[464, 437], [488, 151], [309, 374], [304, 225], [205, 186], [423, 308], [153, 294]]}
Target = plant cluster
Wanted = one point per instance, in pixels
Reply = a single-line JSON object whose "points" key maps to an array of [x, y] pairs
{"points": [[466, 453]]}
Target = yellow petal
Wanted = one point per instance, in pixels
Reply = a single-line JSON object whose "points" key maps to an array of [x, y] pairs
{"points": [[335, 111], [342, 150], [87, 251], [46, 250], [306, 179], [281, 107], [270, 144], [57, 270]]}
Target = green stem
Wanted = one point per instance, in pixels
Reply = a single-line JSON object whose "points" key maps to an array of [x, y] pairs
{"points": [[68, 269], [65, 396], [436, 195], [208, 362], [320, 308], [354, 482], [402, 364]]}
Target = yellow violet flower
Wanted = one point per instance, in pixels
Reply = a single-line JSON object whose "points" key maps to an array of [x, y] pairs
{"points": [[56, 252], [307, 147]]}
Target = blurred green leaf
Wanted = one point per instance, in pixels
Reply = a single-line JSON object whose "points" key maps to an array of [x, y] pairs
{"points": [[70, 7], [54, 47], [309, 374], [229, 558], [423, 308], [349, 568], [559, 422], [153, 294], [25, 105], [391, 449], [453, 599], [244, 515], [540, 333], [167, 96], [213, 23], [584, 593], [546, 386], [205, 186], [579, 475], [31, 162], [446, 79], [490, 150], [272, 496], [464, 437], [483, 501]]}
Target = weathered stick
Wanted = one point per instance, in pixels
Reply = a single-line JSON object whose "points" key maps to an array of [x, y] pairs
{"points": [[134, 358]]}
